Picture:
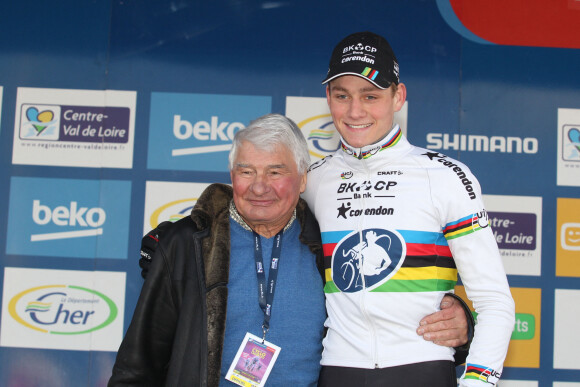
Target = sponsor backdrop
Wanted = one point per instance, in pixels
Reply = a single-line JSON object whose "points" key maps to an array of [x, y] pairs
{"points": [[116, 115]]}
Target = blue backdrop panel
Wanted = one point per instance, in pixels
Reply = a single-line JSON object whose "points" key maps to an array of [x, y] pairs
{"points": [[204, 69]]}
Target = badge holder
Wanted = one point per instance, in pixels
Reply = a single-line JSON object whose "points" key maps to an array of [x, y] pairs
{"points": [[253, 362]]}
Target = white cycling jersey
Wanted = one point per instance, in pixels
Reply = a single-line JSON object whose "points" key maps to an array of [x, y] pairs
{"points": [[398, 223]]}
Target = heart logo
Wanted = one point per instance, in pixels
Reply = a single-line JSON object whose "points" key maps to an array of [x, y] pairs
{"points": [[34, 116], [45, 116], [574, 136]]}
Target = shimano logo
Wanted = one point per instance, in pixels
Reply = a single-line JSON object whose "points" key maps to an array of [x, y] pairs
{"points": [[479, 143], [73, 216]]}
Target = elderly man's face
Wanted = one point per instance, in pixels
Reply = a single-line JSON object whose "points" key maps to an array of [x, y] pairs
{"points": [[266, 187]]}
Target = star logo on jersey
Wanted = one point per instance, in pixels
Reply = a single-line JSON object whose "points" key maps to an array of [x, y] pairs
{"points": [[433, 155], [342, 210]]}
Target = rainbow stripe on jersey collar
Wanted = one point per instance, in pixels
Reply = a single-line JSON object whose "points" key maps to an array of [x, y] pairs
{"points": [[365, 154]]}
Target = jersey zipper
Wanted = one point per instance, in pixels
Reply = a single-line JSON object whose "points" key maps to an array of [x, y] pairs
{"points": [[363, 303]]}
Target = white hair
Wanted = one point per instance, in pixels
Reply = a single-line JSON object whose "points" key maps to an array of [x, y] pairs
{"points": [[269, 132]]}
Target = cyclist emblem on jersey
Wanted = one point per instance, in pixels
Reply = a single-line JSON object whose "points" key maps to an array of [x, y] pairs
{"points": [[366, 263]]}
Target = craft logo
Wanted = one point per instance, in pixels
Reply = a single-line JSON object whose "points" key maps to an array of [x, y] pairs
{"points": [[62, 309], [366, 259], [481, 143], [53, 131], [195, 131], [571, 143], [89, 219]]}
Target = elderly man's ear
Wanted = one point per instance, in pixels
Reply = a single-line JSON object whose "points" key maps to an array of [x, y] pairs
{"points": [[303, 183]]}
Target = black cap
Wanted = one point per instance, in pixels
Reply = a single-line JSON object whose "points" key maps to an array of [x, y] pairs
{"points": [[366, 55]]}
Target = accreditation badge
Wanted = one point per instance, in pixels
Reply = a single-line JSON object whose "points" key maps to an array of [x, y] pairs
{"points": [[253, 362]]}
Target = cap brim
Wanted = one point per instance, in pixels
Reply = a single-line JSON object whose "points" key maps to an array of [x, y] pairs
{"points": [[331, 77]]}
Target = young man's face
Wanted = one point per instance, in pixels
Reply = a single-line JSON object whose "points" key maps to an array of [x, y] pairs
{"points": [[362, 113]]}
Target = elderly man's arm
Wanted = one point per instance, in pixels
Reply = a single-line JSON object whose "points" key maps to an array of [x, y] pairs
{"points": [[452, 326], [145, 351]]}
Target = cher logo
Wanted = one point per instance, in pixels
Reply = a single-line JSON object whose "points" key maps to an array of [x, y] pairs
{"points": [[570, 236], [62, 309]]}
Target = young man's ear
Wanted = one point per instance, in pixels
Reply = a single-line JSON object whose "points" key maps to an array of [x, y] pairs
{"points": [[400, 96]]}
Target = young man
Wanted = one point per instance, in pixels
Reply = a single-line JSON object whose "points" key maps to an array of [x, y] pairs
{"points": [[398, 223]]}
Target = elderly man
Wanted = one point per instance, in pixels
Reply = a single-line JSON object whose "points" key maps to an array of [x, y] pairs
{"points": [[180, 334], [257, 237]]}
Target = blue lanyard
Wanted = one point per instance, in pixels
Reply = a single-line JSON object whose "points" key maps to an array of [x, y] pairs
{"points": [[266, 290]]}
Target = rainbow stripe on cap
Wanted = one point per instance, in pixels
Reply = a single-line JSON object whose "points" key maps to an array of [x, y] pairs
{"points": [[370, 73]]}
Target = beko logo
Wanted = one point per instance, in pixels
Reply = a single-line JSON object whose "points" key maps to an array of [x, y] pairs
{"points": [[69, 218], [479, 143], [194, 132], [203, 131], [73, 215]]}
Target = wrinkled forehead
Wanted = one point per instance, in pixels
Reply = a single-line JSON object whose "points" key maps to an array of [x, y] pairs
{"points": [[265, 155]]}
